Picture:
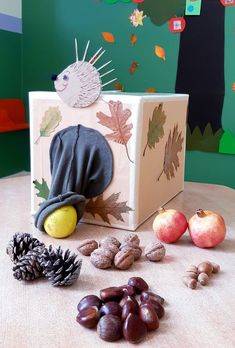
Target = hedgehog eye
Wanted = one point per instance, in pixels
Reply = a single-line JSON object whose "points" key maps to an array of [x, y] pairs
{"points": [[65, 77]]}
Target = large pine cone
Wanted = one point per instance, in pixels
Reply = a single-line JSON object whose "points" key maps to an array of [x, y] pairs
{"points": [[29, 267], [61, 270], [20, 244]]}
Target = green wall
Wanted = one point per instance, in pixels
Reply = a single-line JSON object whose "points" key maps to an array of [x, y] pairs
{"points": [[14, 146], [49, 29]]}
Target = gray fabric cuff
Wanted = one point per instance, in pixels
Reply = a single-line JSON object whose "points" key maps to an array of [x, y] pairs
{"points": [[48, 206]]}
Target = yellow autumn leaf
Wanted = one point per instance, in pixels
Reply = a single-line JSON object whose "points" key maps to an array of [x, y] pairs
{"points": [[160, 52], [108, 37]]}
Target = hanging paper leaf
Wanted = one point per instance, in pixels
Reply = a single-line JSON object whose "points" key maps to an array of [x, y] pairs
{"points": [[133, 67], [43, 190], [117, 123], [108, 37], [233, 86], [133, 39], [171, 160], [136, 18], [119, 86], [50, 121], [150, 90], [105, 207], [160, 52], [156, 130]]}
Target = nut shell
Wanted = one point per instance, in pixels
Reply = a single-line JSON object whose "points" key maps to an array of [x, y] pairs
{"points": [[124, 259], [155, 251], [87, 246], [131, 239], [110, 240], [137, 251], [101, 258]]}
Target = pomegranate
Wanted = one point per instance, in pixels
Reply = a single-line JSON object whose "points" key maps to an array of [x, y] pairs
{"points": [[207, 228], [169, 225]]}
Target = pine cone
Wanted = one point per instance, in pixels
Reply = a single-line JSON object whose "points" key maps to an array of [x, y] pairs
{"points": [[20, 244], [28, 267], [61, 270]]}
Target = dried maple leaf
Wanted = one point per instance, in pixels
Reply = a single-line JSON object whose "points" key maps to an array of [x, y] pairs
{"points": [[171, 160], [117, 123], [110, 206], [155, 131]]}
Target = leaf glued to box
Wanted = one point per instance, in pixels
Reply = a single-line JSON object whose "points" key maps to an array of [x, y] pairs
{"points": [[109, 206], [43, 189]]}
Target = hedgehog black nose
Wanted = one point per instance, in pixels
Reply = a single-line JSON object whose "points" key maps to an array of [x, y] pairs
{"points": [[54, 77]]}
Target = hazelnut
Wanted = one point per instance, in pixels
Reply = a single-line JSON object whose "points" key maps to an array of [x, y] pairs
{"points": [[134, 329], [88, 317], [155, 251], [203, 278], [131, 239], [111, 307], [190, 282], [148, 295], [215, 266], [192, 271], [89, 301], [149, 316], [101, 258], [137, 251], [87, 246], [124, 259], [110, 240], [113, 293], [110, 328], [138, 283], [205, 267]]}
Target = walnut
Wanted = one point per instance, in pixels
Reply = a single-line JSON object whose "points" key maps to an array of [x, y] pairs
{"points": [[110, 240], [101, 258], [124, 259], [87, 246], [111, 247], [137, 251], [155, 251], [132, 239]]}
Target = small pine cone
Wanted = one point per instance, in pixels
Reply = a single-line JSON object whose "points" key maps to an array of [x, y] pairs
{"points": [[20, 244], [61, 270], [28, 267]]}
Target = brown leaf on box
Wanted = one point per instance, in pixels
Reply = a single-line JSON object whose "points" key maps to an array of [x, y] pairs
{"points": [[117, 123], [109, 206], [172, 148]]}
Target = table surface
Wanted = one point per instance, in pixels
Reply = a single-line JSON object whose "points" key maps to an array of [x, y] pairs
{"points": [[36, 314]]}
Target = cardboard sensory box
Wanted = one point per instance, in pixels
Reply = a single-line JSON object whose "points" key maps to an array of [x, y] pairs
{"points": [[148, 151]]}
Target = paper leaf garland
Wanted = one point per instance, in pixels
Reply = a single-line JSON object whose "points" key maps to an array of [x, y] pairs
{"points": [[43, 190], [50, 121], [110, 206], [233, 86], [136, 18], [119, 86], [160, 52], [133, 67], [108, 37], [117, 123], [133, 39], [171, 160], [155, 131]]}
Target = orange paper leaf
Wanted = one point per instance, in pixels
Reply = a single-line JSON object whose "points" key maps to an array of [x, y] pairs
{"points": [[233, 86], [133, 39], [160, 52], [119, 86], [133, 67], [150, 90], [108, 37]]}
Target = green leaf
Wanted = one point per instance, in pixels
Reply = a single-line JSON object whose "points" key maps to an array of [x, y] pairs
{"points": [[50, 121], [43, 190], [156, 130]]}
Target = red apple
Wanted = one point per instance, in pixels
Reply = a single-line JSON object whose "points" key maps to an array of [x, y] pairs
{"points": [[169, 225], [207, 228]]}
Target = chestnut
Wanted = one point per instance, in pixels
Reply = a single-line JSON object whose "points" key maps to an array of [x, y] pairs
{"points": [[113, 293], [149, 316], [109, 328], [89, 301], [134, 329], [157, 306], [128, 298], [148, 295], [128, 290], [111, 308], [88, 317], [138, 283], [128, 307]]}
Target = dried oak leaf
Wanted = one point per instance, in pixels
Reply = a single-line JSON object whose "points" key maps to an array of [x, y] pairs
{"points": [[117, 123], [155, 131], [171, 160], [110, 206], [43, 190], [50, 122]]}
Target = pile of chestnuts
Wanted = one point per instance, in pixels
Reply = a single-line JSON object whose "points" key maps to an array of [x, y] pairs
{"points": [[117, 313]]}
